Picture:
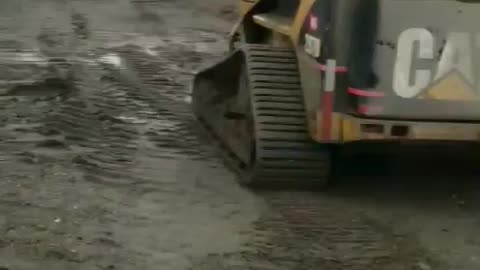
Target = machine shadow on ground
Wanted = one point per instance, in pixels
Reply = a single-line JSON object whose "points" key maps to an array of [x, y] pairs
{"points": [[415, 177]]}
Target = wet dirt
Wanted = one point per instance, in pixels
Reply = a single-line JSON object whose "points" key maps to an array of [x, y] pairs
{"points": [[107, 169]]}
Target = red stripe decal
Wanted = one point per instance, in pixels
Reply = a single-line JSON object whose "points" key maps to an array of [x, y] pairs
{"points": [[327, 109], [338, 69], [313, 23], [365, 93]]}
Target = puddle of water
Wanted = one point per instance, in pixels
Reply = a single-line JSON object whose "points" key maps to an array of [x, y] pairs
{"points": [[22, 57], [145, 42], [21, 127], [150, 51], [162, 124], [30, 57], [132, 120], [149, 113], [111, 59], [32, 138]]}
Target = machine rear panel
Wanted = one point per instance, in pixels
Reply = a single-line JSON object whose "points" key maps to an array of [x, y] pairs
{"points": [[415, 60]]}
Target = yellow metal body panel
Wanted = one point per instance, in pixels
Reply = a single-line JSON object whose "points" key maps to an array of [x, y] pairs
{"points": [[245, 7], [277, 24], [302, 13], [451, 87], [346, 128]]}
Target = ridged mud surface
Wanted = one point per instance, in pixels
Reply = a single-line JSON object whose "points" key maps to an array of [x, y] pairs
{"points": [[104, 167]]}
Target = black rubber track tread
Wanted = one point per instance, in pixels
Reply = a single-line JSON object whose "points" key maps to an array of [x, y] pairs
{"points": [[260, 77], [281, 128], [285, 155], [263, 65], [277, 93], [279, 113], [272, 86], [277, 99], [279, 105], [265, 59], [283, 145], [280, 120], [284, 151]]}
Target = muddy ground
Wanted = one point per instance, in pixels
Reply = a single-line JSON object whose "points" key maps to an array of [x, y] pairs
{"points": [[110, 171]]}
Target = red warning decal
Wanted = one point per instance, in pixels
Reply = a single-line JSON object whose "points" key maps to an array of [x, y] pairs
{"points": [[313, 22]]}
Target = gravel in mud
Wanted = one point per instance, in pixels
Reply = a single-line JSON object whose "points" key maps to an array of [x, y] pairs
{"points": [[106, 168]]}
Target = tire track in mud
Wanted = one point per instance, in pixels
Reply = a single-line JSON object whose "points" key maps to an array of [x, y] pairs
{"points": [[334, 234], [304, 230], [116, 121], [122, 125], [307, 231], [173, 127], [117, 124], [118, 136]]}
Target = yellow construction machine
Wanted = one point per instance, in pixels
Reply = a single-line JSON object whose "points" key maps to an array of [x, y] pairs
{"points": [[305, 78]]}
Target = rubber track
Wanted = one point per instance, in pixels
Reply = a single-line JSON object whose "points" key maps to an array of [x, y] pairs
{"points": [[285, 154]]}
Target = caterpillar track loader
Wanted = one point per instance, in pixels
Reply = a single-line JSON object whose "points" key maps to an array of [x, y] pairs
{"points": [[305, 78]]}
